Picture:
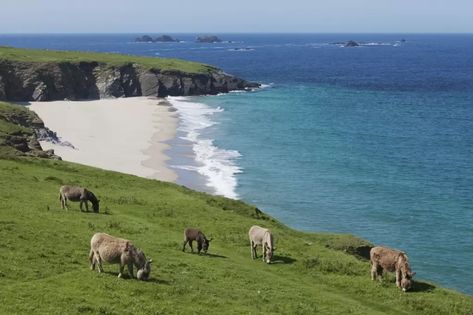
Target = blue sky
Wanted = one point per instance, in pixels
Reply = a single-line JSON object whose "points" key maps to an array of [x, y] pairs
{"points": [[174, 16]]}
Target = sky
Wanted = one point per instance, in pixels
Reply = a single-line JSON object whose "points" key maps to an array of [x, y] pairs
{"points": [[242, 16]]}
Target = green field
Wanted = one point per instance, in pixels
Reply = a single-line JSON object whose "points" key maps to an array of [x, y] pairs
{"points": [[44, 262], [44, 56]]}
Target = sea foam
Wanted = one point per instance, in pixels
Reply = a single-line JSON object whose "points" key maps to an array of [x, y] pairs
{"points": [[216, 164]]}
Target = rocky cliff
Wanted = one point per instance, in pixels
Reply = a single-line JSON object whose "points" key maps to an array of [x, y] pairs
{"points": [[20, 133], [47, 81]]}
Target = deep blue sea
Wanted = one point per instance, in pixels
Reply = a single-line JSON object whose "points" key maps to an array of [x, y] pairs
{"points": [[375, 140]]}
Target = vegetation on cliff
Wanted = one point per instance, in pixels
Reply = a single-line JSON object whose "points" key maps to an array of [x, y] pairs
{"points": [[164, 64], [19, 129]]}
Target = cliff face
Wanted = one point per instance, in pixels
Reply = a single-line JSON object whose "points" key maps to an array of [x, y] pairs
{"points": [[47, 81]]}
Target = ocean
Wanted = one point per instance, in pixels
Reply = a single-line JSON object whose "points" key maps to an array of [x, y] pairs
{"points": [[376, 140]]}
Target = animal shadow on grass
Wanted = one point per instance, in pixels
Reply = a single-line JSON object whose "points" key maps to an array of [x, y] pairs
{"points": [[419, 286], [127, 277], [283, 260], [206, 255], [214, 255], [159, 281]]}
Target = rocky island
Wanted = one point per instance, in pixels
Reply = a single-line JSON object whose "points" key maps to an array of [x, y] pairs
{"points": [[43, 75], [208, 39], [160, 39]]}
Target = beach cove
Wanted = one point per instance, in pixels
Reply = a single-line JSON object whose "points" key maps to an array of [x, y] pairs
{"points": [[126, 135]]}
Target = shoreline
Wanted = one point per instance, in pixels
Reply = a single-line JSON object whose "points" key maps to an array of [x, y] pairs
{"points": [[108, 133]]}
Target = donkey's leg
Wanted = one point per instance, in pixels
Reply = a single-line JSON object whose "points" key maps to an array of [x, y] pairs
{"points": [[86, 206], [374, 271], [120, 274], [98, 260], [64, 199], [255, 246], [61, 201], [184, 245], [92, 260], [130, 270], [190, 244], [398, 278], [252, 250], [123, 262], [264, 251]]}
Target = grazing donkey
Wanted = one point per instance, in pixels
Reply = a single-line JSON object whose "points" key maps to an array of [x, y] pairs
{"points": [[191, 235], [383, 258], [75, 193], [263, 237], [104, 247]]}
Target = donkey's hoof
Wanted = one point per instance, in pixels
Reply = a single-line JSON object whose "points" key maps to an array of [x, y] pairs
{"points": [[120, 275]]}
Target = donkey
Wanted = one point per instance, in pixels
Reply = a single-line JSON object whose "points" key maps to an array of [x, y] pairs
{"points": [[104, 247], [191, 235], [263, 237], [383, 258], [75, 193]]}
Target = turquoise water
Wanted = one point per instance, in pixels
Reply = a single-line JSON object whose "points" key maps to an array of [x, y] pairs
{"points": [[376, 141], [391, 167]]}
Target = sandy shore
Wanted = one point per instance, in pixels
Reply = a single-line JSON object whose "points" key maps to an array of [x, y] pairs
{"points": [[125, 135]]}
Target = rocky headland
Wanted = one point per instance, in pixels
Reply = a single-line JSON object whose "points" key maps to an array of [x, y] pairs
{"points": [[25, 80]]}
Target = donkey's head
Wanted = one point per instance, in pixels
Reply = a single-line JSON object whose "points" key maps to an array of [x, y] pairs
{"points": [[96, 205], [206, 244], [269, 253], [407, 274], [143, 265], [143, 273], [406, 282]]}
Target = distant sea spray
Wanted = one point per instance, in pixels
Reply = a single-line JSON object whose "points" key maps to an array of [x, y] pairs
{"points": [[216, 164]]}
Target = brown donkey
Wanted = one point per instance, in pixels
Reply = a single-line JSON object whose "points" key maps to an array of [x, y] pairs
{"points": [[76, 193]]}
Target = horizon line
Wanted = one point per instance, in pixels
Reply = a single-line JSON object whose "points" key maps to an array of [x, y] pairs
{"points": [[240, 33]]}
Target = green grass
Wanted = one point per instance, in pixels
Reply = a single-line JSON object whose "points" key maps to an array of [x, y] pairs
{"points": [[44, 267], [46, 56]]}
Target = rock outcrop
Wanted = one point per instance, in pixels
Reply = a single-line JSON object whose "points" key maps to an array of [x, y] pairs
{"points": [[165, 38], [208, 39], [21, 132], [351, 43], [149, 39], [47, 81], [144, 38]]}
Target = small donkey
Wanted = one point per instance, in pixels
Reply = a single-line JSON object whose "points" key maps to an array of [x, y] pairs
{"points": [[191, 235]]}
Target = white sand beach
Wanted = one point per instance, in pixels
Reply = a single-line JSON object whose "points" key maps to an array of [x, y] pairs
{"points": [[125, 134]]}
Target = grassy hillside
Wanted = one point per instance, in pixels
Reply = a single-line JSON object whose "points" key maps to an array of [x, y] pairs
{"points": [[44, 267], [42, 56]]}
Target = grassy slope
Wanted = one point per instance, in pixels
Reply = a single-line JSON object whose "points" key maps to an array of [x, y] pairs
{"points": [[44, 268], [33, 55]]}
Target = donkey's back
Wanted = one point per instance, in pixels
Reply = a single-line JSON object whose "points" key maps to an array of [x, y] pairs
{"points": [[257, 233], [72, 193]]}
